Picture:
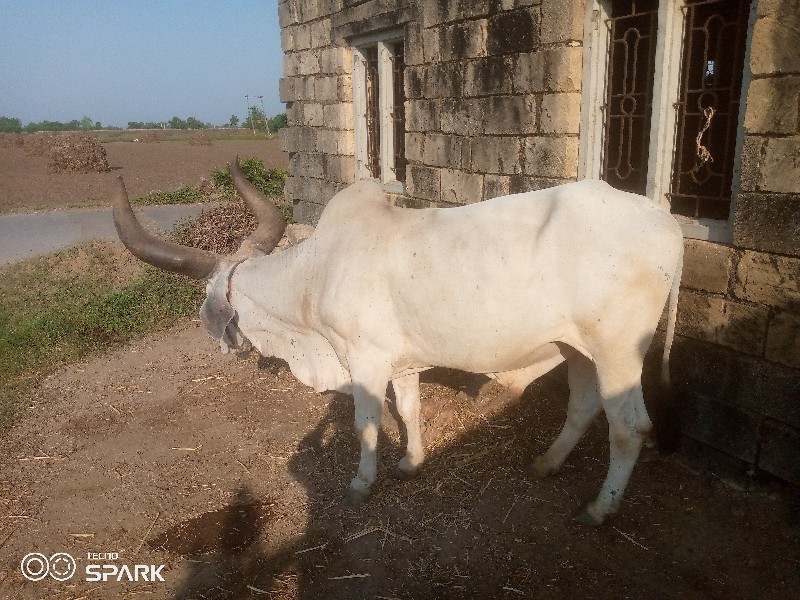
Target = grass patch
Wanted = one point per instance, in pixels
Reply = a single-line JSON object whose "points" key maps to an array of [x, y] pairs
{"points": [[185, 195], [59, 308], [270, 182], [49, 319]]}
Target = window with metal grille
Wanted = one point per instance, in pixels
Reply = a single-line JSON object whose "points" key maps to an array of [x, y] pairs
{"points": [[660, 116], [708, 107], [372, 111], [399, 110], [628, 107], [379, 104]]}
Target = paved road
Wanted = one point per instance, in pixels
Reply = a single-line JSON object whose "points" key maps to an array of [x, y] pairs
{"points": [[25, 235]]}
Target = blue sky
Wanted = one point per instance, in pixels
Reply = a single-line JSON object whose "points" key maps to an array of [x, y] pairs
{"points": [[139, 60]]}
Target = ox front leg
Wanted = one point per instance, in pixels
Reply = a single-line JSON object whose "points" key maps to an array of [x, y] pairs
{"points": [[369, 381], [628, 426], [406, 391]]}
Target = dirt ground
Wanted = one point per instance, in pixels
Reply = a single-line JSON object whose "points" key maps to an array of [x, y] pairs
{"points": [[230, 473], [27, 185]]}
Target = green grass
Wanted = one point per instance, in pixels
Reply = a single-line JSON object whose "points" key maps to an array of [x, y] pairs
{"points": [[184, 195], [59, 308], [270, 182], [49, 318]]}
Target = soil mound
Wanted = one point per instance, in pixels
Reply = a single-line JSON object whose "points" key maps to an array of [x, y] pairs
{"points": [[37, 144]]}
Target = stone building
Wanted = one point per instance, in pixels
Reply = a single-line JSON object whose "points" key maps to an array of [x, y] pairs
{"points": [[694, 103]]}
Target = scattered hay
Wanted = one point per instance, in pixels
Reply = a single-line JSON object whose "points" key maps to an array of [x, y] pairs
{"points": [[219, 230], [37, 144], [223, 229], [207, 188], [107, 259], [149, 137], [77, 153], [200, 138]]}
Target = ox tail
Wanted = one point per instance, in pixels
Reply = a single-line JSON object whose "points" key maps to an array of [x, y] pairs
{"points": [[672, 315]]}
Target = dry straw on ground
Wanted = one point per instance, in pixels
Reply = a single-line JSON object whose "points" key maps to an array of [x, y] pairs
{"points": [[77, 153], [221, 229], [149, 137]]}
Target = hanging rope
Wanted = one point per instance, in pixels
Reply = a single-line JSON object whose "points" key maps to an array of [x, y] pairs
{"points": [[702, 152]]}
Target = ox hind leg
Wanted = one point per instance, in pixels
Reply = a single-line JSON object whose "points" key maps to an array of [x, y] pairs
{"points": [[619, 381], [583, 407], [406, 391]]}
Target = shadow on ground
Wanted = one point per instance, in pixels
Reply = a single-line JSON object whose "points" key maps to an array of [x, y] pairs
{"points": [[474, 524]]}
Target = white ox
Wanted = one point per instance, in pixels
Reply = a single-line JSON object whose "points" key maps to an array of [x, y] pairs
{"points": [[510, 287]]}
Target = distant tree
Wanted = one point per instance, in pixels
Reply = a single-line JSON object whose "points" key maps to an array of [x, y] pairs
{"points": [[10, 125], [255, 119], [177, 123], [48, 126], [194, 123], [234, 122], [277, 122], [85, 124], [148, 125]]}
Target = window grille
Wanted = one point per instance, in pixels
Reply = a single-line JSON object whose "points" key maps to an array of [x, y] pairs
{"points": [[629, 97], [373, 111], [379, 108], [399, 110], [708, 107]]}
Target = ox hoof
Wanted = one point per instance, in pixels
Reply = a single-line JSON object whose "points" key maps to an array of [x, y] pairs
{"points": [[400, 473], [541, 468], [586, 518], [648, 453], [355, 497]]}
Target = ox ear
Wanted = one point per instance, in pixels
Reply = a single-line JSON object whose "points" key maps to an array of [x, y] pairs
{"points": [[217, 312]]}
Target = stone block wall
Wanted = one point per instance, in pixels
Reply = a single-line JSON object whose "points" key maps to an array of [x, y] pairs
{"points": [[493, 99], [317, 90], [492, 96], [493, 93], [737, 355]]}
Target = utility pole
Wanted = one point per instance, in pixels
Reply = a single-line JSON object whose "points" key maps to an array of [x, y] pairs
{"points": [[263, 112], [249, 114]]}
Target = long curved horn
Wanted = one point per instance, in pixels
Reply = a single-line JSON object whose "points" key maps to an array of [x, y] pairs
{"points": [[185, 260], [271, 223]]}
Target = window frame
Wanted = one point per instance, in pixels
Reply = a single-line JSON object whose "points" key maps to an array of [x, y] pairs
{"points": [[663, 123], [383, 41]]}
